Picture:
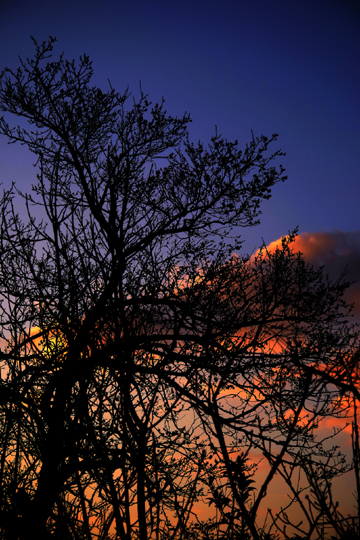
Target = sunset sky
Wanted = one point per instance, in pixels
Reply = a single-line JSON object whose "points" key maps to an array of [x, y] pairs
{"points": [[285, 67], [271, 66]]}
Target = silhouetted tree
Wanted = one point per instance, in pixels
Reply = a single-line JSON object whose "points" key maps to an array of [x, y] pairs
{"points": [[144, 365]]}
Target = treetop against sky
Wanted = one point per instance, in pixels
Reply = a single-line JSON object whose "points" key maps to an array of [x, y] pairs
{"points": [[266, 67], [155, 319]]}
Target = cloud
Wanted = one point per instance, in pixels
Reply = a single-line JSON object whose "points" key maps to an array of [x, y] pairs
{"points": [[337, 251]]}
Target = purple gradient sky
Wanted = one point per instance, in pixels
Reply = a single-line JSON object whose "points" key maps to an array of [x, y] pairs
{"points": [[282, 66]]}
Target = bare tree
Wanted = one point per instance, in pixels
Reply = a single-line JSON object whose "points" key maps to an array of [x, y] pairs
{"points": [[142, 363]]}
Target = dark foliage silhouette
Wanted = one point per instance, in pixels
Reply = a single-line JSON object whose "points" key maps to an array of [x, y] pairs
{"points": [[147, 373]]}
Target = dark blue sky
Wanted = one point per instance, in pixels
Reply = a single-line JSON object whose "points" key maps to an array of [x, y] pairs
{"points": [[268, 66]]}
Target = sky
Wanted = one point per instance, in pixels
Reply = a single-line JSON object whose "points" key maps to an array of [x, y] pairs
{"points": [[283, 67], [279, 66]]}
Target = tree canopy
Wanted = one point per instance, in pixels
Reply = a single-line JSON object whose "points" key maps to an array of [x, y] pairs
{"points": [[147, 371]]}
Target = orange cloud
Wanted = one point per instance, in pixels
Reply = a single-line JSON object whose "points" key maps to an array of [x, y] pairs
{"points": [[335, 250]]}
